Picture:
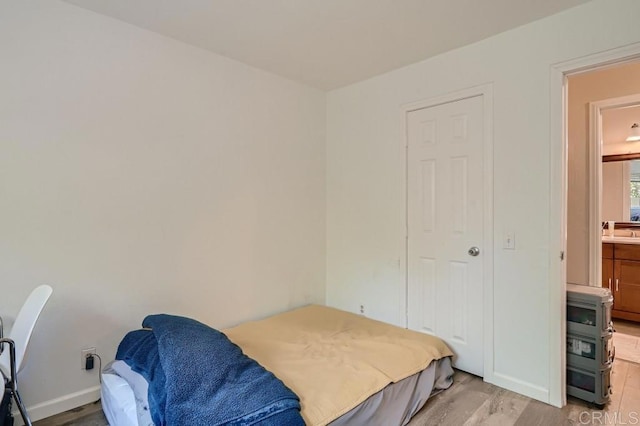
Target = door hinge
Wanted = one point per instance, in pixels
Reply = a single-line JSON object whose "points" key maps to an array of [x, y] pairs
{"points": [[561, 255]]}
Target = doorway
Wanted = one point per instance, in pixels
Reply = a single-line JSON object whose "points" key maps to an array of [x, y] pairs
{"points": [[590, 94], [598, 192]]}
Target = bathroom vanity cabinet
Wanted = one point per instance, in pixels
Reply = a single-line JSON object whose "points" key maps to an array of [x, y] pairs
{"points": [[621, 274]]}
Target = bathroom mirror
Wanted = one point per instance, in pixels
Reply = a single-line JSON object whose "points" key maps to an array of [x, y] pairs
{"points": [[620, 195], [621, 190]]}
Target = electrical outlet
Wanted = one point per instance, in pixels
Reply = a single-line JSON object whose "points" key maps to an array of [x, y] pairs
{"points": [[361, 309], [84, 353]]}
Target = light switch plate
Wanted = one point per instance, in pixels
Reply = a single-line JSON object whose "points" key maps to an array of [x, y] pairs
{"points": [[509, 242]]}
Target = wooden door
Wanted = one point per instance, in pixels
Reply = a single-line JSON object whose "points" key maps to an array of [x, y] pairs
{"points": [[445, 226]]}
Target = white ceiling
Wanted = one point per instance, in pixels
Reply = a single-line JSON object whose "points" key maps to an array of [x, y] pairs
{"points": [[617, 122], [328, 43]]}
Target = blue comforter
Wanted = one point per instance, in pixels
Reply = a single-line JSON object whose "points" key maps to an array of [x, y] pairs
{"points": [[197, 376]]}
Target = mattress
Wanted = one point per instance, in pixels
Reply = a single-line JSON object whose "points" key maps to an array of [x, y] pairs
{"points": [[332, 359], [124, 397], [344, 368]]}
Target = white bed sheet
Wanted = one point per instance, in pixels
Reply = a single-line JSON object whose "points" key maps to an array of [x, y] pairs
{"points": [[118, 401], [124, 397]]}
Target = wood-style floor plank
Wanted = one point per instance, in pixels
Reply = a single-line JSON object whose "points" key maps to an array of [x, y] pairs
{"points": [[503, 408], [87, 415]]}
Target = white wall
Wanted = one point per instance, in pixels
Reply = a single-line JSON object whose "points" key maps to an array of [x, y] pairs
{"points": [[366, 175], [140, 175]]}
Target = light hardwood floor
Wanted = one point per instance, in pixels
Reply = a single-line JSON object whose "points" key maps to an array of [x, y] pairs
{"points": [[87, 415], [470, 401]]}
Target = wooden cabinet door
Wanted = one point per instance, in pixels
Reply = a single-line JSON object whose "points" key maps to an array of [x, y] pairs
{"points": [[607, 268], [626, 286], [607, 274]]}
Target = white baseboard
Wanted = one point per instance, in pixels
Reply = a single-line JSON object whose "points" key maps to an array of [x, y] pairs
{"points": [[519, 386], [58, 405]]}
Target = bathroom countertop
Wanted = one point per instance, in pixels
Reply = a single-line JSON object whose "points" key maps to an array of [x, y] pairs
{"points": [[620, 240]]}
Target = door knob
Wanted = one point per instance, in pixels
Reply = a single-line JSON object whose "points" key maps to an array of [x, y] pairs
{"points": [[474, 251]]}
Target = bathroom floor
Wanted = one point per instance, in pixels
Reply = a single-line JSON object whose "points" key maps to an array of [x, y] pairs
{"points": [[626, 340], [627, 327]]}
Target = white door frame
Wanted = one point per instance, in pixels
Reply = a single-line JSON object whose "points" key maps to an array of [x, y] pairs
{"points": [[595, 179], [486, 91], [558, 141]]}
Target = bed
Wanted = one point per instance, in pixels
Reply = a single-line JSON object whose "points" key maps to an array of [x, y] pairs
{"points": [[343, 369]]}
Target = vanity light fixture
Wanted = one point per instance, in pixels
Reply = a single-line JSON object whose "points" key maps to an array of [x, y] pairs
{"points": [[634, 135]]}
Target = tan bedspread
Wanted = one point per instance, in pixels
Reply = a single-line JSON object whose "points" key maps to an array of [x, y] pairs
{"points": [[334, 360]]}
